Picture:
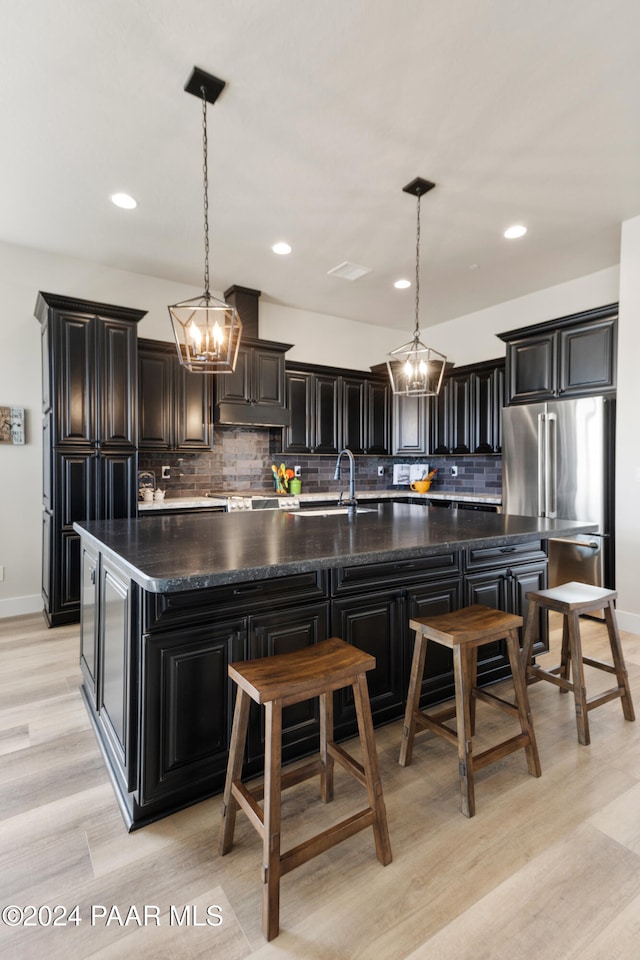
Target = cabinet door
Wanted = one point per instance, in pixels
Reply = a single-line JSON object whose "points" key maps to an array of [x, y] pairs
{"points": [[155, 399], [236, 387], [73, 380], [440, 420], [117, 373], [493, 589], [268, 386], [299, 435], [525, 579], [373, 623], [326, 414], [485, 420], [353, 415], [186, 728], [433, 599], [88, 621], [532, 368], [193, 393], [116, 697], [409, 425], [588, 358], [378, 440], [460, 393], [284, 632], [116, 485]]}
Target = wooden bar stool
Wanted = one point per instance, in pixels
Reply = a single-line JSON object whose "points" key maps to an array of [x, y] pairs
{"points": [[277, 682], [572, 599], [463, 631]]}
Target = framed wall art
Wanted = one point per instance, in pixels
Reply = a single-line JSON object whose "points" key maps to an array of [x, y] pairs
{"points": [[11, 424]]}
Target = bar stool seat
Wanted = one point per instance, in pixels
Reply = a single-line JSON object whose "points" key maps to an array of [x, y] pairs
{"points": [[571, 600], [277, 682], [463, 631]]}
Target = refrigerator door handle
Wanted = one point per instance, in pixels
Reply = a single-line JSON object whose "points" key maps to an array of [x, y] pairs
{"points": [[541, 464], [551, 480]]}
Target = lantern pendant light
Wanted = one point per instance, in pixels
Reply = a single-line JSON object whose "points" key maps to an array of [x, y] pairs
{"points": [[207, 330], [416, 370]]}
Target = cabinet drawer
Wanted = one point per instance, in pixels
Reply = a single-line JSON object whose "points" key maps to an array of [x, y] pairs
{"points": [[167, 610], [346, 580], [484, 557]]}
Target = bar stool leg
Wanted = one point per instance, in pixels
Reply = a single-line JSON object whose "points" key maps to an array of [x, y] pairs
{"points": [[522, 703], [234, 771], [577, 669], [326, 736], [371, 770], [462, 678], [271, 834], [413, 699], [618, 660], [565, 655], [527, 637]]}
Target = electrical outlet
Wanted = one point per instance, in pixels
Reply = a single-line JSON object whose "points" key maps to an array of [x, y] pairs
{"points": [[381, 471], [454, 471], [166, 473], [297, 471]]}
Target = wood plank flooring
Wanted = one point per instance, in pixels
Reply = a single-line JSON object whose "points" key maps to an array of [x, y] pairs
{"points": [[547, 868]]}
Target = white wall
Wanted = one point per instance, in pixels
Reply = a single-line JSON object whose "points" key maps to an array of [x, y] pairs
{"points": [[317, 338], [627, 433]]}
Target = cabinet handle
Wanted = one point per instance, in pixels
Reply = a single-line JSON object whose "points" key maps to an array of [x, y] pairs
{"points": [[93, 575], [403, 565], [507, 549], [255, 588]]}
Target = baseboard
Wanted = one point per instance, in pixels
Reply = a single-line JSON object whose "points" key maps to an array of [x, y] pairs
{"points": [[630, 622], [18, 606]]}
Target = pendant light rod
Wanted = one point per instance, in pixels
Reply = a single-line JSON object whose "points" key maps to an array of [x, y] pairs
{"points": [[416, 370], [207, 331]]}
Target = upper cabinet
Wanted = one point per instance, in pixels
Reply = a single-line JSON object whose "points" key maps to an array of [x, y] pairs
{"points": [[332, 408], [463, 418], [573, 356], [255, 393], [174, 405]]}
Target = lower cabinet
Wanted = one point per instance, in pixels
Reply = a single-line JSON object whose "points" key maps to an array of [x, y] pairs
{"points": [[373, 623], [186, 727], [155, 666]]}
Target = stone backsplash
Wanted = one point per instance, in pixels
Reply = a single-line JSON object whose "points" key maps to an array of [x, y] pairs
{"points": [[241, 460]]}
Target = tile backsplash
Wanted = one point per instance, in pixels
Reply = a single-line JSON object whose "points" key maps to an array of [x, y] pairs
{"points": [[241, 460]]}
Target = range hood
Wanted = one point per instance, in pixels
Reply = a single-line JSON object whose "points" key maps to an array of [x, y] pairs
{"points": [[255, 394]]}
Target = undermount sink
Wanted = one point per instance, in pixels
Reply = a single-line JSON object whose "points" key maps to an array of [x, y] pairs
{"points": [[330, 511]]}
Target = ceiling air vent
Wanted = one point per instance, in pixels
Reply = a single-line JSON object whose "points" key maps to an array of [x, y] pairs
{"points": [[349, 271]]}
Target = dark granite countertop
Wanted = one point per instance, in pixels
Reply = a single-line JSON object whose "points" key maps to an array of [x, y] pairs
{"points": [[191, 552]]}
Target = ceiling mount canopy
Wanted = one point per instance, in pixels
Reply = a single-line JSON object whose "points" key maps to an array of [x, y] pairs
{"points": [[207, 330], [416, 370]]}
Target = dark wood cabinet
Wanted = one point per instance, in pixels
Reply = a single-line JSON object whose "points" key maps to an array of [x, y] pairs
{"points": [[569, 357], [410, 426], [155, 666], [255, 393], [174, 404], [331, 409], [185, 730], [465, 416], [89, 432], [375, 623]]}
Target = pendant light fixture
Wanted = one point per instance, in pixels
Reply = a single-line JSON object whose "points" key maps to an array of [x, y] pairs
{"points": [[207, 330], [416, 370]]}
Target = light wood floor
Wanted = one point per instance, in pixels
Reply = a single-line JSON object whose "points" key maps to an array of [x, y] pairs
{"points": [[547, 868]]}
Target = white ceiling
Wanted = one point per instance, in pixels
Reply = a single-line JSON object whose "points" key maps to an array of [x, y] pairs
{"points": [[520, 111]]}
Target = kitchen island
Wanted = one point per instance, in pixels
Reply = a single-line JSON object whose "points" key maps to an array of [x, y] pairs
{"points": [[167, 605]]}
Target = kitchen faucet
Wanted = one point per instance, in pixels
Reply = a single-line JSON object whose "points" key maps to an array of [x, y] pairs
{"points": [[352, 477]]}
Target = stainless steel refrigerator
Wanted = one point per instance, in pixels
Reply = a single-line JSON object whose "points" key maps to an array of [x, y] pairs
{"points": [[558, 459]]}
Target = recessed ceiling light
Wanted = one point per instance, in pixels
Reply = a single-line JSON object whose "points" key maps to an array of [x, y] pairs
{"points": [[517, 230], [402, 284], [282, 248], [124, 200]]}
